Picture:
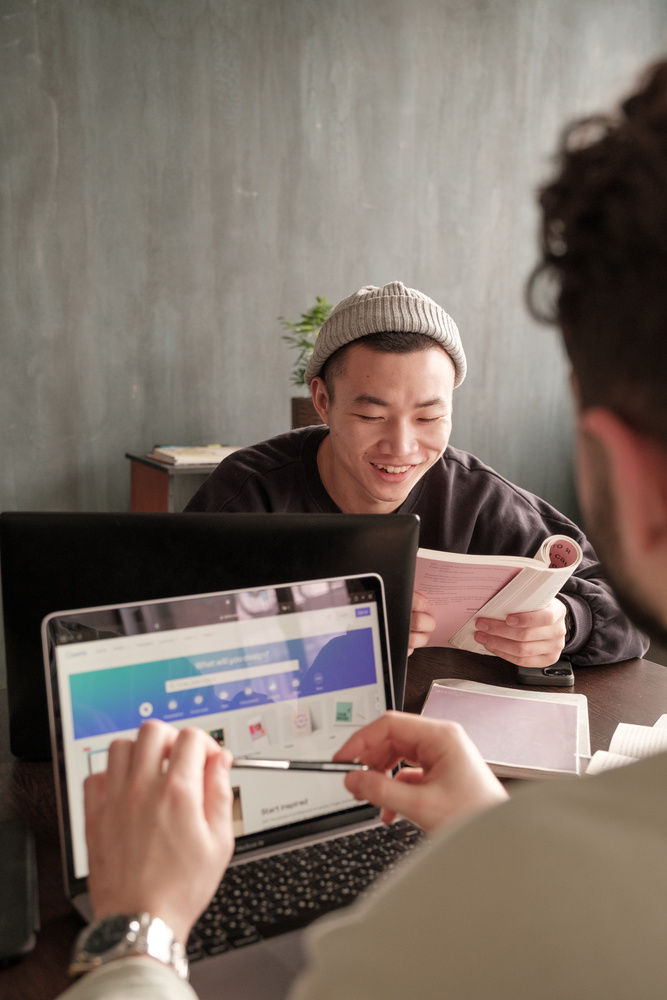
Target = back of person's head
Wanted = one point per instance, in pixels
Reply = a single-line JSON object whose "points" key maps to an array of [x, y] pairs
{"points": [[603, 272]]}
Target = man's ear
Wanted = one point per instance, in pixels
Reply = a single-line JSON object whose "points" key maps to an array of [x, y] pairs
{"points": [[637, 467], [320, 397]]}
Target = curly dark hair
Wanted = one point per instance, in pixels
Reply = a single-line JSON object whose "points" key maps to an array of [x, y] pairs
{"points": [[602, 276]]}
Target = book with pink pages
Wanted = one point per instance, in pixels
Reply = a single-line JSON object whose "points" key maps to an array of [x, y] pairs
{"points": [[461, 587], [520, 734]]}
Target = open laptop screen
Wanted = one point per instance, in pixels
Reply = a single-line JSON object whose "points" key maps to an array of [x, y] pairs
{"points": [[283, 672]]}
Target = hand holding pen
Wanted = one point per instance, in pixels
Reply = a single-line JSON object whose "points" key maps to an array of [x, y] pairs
{"points": [[331, 766]]}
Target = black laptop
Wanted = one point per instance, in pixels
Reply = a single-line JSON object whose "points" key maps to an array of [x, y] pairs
{"points": [[51, 561]]}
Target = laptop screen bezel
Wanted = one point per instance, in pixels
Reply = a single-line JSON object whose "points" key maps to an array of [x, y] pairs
{"points": [[249, 842]]}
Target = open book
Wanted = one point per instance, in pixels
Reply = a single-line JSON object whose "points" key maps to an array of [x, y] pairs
{"points": [[206, 454], [629, 744], [520, 734], [462, 588]]}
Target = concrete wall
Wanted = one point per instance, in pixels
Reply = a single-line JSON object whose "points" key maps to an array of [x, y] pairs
{"points": [[176, 174]]}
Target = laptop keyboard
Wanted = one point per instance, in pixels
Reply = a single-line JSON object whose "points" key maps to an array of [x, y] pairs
{"points": [[283, 892]]}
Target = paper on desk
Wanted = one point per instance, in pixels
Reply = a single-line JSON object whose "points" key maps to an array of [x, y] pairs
{"points": [[638, 741], [603, 760], [517, 732], [629, 744]]}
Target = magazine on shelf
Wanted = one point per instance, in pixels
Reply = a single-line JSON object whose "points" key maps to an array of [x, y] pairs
{"points": [[206, 454]]}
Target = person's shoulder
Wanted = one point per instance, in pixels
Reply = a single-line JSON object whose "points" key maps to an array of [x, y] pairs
{"points": [[465, 472], [280, 450], [465, 461], [570, 810], [271, 476]]}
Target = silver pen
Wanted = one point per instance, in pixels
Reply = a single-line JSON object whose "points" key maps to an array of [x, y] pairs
{"points": [[299, 765]]}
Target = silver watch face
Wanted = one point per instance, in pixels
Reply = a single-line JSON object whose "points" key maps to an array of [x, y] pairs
{"points": [[105, 934], [123, 935]]}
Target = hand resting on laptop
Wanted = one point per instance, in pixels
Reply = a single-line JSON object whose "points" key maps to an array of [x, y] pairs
{"points": [[159, 839]]}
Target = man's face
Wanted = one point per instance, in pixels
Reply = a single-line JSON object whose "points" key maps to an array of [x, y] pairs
{"points": [[599, 510], [390, 421]]}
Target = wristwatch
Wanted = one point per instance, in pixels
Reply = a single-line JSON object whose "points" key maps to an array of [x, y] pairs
{"points": [[122, 935]]}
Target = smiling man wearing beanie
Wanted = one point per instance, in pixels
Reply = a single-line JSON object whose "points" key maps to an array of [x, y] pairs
{"points": [[382, 377]]}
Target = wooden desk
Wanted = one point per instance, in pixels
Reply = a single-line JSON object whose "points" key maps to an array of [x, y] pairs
{"points": [[635, 691], [160, 487]]}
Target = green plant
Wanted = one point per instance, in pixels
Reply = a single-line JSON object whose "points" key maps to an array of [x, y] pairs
{"points": [[303, 334]]}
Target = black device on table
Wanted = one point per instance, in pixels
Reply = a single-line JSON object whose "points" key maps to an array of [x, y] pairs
{"points": [[50, 561], [19, 906], [559, 674]]}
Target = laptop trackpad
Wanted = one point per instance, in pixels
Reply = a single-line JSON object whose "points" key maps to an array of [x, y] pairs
{"points": [[264, 970]]}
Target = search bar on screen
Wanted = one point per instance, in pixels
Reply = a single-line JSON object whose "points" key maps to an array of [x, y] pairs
{"points": [[228, 676]]}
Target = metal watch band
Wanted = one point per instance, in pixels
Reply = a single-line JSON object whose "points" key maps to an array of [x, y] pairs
{"points": [[141, 935]]}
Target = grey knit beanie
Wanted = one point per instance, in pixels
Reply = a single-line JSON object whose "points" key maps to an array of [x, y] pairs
{"points": [[392, 307]]}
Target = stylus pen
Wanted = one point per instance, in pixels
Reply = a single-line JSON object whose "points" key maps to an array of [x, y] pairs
{"points": [[299, 765]]}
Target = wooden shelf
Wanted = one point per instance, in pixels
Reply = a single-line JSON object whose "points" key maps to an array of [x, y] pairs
{"points": [[157, 487]]}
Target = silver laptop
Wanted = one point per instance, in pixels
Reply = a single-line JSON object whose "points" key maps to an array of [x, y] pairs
{"points": [[285, 672]]}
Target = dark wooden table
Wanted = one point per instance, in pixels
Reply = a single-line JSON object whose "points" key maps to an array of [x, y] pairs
{"points": [[634, 691]]}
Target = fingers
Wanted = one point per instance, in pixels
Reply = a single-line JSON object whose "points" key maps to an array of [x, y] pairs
{"points": [[388, 793], [409, 775], [531, 654], [93, 793], [419, 602], [420, 632], [188, 754], [218, 797], [94, 796], [159, 837], [451, 780], [533, 624], [118, 766], [421, 622], [134, 764], [394, 737], [201, 768], [394, 795], [553, 613], [530, 639]]}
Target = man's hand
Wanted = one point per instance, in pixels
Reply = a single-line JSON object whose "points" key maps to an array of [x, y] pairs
{"points": [[421, 623], [159, 825], [530, 639], [449, 780]]}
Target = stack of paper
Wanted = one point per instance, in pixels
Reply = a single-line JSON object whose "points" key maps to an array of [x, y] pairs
{"points": [[630, 744], [206, 454], [520, 734]]}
